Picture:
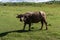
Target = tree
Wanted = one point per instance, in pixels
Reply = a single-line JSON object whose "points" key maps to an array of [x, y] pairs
{"points": [[54, 1]]}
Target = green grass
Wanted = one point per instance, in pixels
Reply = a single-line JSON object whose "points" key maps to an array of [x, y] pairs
{"points": [[9, 22]]}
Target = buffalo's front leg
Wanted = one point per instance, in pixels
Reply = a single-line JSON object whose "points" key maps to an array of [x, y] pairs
{"points": [[29, 27], [45, 24], [24, 26]]}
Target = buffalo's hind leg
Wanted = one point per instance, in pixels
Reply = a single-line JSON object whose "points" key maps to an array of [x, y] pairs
{"points": [[45, 24]]}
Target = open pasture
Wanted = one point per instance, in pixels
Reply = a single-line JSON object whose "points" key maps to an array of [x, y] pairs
{"points": [[10, 25]]}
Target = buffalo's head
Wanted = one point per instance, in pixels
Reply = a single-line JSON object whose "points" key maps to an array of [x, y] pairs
{"points": [[21, 16]]}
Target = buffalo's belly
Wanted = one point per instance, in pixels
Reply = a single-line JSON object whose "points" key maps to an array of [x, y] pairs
{"points": [[31, 21], [35, 21]]}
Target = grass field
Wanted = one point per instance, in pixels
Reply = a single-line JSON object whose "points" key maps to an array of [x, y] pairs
{"points": [[10, 25]]}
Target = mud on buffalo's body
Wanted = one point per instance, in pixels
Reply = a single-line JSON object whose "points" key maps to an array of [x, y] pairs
{"points": [[33, 17]]}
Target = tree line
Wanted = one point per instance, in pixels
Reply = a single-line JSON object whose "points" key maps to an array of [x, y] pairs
{"points": [[27, 3]]}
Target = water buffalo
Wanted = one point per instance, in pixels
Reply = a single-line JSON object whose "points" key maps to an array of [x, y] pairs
{"points": [[33, 17]]}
